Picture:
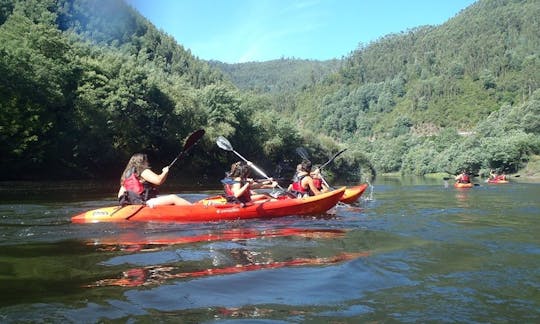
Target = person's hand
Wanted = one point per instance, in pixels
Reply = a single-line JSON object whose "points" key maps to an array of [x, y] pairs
{"points": [[165, 169], [249, 163]]}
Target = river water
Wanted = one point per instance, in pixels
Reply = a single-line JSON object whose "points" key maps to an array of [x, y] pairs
{"points": [[409, 251]]}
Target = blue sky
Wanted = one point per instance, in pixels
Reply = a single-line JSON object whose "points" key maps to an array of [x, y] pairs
{"points": [[235, 31]]}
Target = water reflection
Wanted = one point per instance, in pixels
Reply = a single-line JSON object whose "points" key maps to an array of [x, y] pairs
{"points": [[225, 259], [417, 252], [134, 241], [247, 261]]}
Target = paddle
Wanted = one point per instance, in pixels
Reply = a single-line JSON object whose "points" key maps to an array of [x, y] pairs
{"points": [[303, 153], [223, 143], [230, 181], [190, 142], [332, 158]]}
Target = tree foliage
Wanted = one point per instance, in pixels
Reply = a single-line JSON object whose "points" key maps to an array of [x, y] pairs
{"points": [[84, 84]]}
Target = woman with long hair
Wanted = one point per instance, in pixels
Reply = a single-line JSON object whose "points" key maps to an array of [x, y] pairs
{"points": [[138, 184]]}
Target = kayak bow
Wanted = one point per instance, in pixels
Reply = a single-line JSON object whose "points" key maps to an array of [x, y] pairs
{"points": [[352, 194]]}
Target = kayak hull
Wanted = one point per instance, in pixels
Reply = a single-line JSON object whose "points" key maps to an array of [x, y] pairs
{"points": [[495, 181], [463, 185], [206, 210], [352, 194]]}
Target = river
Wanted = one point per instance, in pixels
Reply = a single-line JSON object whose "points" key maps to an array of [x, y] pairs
{"points": [[409, 251]]}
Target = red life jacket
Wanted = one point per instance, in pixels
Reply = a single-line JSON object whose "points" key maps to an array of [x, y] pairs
{"points": [[318, 183], [245, 197], [297, 185], [465, 178], [132, 183]]}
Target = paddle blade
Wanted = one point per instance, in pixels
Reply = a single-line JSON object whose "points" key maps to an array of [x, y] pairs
{"points": [[223, 143], [190, 142], [333, 158], [193, 139], [302, 153]]}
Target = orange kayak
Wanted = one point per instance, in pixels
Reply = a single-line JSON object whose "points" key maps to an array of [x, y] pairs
{"points": [[463, 185], [352, 194], [213, 210]]}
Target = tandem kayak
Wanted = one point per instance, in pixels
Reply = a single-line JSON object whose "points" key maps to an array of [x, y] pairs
{"points": [[213, 210], [463, 185], [352, 194]]}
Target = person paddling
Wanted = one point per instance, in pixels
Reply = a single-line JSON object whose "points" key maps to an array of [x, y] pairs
{"points": [[497, 176], [304, 184], [463, 177], [318, 179], [138, 184], [240, 188]]}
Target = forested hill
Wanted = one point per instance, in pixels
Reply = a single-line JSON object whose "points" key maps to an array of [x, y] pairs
{"points": [[405, 98], [84, 84], [278, 76]]}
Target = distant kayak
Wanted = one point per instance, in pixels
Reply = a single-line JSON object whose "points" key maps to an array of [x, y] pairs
{"points": [[213, 210], [497, 181], [352, 194], [463, 185]]}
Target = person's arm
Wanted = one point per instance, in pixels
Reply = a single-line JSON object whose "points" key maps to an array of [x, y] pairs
{"points": [[153, 178], [239, 190], [311, 185], [267, 184], [121, 191], [325, 188]]}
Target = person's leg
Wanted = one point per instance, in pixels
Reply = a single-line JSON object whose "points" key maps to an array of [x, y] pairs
{"points": [[167, 200]]}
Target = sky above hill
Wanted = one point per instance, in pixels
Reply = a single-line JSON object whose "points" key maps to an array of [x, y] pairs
{"points": [[235, 31]]}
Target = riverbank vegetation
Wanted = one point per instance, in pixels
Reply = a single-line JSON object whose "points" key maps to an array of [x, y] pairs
{"points": [[84, 84]]}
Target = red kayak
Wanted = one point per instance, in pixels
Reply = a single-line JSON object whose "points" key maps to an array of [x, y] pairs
{"points": [[497, 181], [463, 185], [352, 194], [213, 210]]}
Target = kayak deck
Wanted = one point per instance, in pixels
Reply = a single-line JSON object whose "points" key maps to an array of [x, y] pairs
{"points": [[204, 211]]}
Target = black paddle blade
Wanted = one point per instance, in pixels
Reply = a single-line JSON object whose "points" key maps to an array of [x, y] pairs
{"points": [[193, 139], [332, 158], [190, 142]]}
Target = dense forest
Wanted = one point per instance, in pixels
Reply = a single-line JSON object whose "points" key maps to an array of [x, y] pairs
{"points": [[86, 83], [462, 95]]}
